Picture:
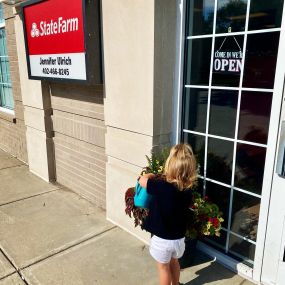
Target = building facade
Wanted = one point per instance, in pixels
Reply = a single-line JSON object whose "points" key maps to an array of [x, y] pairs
{"points": [[209, 73]]}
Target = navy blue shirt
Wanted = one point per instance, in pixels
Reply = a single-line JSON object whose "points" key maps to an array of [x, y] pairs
{"points": [[168, 209]]}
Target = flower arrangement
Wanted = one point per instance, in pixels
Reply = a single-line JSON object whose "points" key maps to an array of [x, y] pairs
{"points": [[204, 217]]}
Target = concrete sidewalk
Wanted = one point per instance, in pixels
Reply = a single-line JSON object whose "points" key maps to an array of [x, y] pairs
{"points": [[51, 236]]}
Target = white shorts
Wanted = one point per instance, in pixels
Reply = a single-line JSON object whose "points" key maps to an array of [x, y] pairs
{"points": [[162, 250]]}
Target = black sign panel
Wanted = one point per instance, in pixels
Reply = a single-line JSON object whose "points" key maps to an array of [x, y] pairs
{"points": [[227, 61]]}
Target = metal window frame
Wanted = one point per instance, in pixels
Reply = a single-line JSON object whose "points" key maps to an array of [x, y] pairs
{"points": [[3, 83]]}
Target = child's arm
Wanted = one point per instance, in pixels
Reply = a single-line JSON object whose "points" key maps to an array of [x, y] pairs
{"points": [[143, 179]]}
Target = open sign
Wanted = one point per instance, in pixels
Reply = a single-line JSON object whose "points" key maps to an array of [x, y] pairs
{"points": [[227, 61]]}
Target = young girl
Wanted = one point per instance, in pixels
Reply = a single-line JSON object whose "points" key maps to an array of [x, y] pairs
{"points": [[167, 214]]}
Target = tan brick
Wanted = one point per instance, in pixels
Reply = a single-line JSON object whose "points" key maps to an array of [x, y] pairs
{"points": [[8, 11]]}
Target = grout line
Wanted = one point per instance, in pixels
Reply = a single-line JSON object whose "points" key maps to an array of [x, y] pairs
{"points": [[8, 275], [26, 198], [15, 267], [69, 247]]}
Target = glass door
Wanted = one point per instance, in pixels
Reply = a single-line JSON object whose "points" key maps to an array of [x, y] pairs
{"points": [[231, 49]]}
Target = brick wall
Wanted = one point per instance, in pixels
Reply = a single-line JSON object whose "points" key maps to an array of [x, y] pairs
{"points": [[12, 128], [79, 139]]}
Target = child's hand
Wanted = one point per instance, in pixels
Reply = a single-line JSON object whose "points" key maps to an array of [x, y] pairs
{"points": [[143, 179]]}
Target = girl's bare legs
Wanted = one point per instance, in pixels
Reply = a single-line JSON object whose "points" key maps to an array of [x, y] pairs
{"points": [[175, 271], [164, 273]]}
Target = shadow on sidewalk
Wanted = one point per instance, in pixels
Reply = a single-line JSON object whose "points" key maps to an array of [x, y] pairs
{"points": [[207, 273]]}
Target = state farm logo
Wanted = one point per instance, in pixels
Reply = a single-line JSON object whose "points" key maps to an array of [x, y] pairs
{"points": [[60, 26], [35, 31]]}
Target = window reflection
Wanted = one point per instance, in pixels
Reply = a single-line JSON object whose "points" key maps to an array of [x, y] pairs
{"points": [[231, 16], [198, 144], [254, 118], [245, 215], [195, 104], [200, 185], [265, 14], [201, 17], [260, 60], [220, 158], [242, 247], [250, 162], [198, 61], [219, 195], [223, 113]]}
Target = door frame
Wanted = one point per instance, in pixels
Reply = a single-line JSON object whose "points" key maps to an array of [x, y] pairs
{"points": [[255, 272]]}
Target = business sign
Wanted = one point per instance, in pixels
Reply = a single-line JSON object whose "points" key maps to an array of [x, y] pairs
{"points": [[55, 41], [227, 61]]}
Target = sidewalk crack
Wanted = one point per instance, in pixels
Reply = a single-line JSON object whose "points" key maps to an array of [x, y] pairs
{"points": [[69, 247], [15, 267]]}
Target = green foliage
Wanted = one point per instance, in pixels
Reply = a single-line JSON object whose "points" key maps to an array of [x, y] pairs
{"points": [[156, 161], [204, 217]]}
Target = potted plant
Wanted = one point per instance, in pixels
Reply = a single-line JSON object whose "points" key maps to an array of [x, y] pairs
{"points": [[204, 219], [155, 165]]}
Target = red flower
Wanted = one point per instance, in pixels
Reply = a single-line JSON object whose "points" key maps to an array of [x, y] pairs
{"points": [[216, 222]]}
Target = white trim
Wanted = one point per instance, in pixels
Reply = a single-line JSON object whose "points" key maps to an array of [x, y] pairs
{"points": [[272, 133], [7, 111], [229, 88], [271, 152], [217, 182], [209, 93], [241, 237], [229, 186], [236, 129], [2, 25], [224, 138], [247, 192], [262, 31], [178, 78]]}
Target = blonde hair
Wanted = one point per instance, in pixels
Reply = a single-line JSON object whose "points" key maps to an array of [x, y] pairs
{"points": [[181, 167]]}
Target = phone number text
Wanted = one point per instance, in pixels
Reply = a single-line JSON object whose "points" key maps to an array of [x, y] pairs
{"points": [[56, 71]]}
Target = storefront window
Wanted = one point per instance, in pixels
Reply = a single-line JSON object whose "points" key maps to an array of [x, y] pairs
{"points": [[260, 60], [254, 118], [231, 16], [221, 196], [227, 61], [202, 48], [223, 109], [195, 103], [227, 101], [220, 160], [245, 215], [249, 171], [198, 144], [242, 248], [265, 14], [201, 20], [6, 96]]}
